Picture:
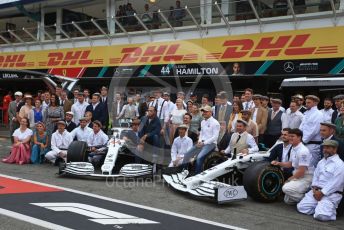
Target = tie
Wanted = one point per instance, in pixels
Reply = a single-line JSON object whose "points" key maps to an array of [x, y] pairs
{"points": [[238, 139], [62, 103], [222, 113], [289, 151], [273, 115], [246, 107]]}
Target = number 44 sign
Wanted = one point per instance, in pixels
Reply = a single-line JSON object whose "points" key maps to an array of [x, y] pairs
{"points": [[98, 215]]}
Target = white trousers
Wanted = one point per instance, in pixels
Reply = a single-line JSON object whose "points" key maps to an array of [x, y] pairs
{"points": [[315, 152], [52, 155], [324, 210], [295, 190]]}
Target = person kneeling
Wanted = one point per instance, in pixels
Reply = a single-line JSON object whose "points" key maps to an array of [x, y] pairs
{"points": [[327, 185], [97, 142], [300, 158], [60, 141], [180, 146]]}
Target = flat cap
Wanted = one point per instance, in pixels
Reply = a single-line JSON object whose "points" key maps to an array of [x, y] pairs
{"points": [[70, 113], [18, 93], [27, 96], [135, 122], [257, 96], [298, 96], [242, 122], [167, 93], [206, 108], [182, 126], [80, 94], [61, 123], [82, 119], [332, 143], [276, 100], [338, 97], [328, 124], [313, 97], [265, 98], [181, 92]]}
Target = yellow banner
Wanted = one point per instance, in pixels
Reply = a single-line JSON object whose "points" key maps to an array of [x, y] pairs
{"points": [[285, 45]]}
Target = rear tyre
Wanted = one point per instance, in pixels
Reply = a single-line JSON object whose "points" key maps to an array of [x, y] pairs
{"points": [[77, 152], [263, 181]]}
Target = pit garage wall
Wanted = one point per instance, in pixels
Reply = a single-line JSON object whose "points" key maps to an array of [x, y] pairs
{"points": [[312, 51]]}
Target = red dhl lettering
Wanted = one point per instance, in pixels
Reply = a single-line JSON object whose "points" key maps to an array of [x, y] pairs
{"points": [[16, 60], [268, 47], [151, 54], [70, 58]]}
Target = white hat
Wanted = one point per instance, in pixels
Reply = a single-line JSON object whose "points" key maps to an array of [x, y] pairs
{"points": [[18, 93], [70, 113]]}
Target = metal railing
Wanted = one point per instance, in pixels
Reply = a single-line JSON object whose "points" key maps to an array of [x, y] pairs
{"points": [[245, 11]]}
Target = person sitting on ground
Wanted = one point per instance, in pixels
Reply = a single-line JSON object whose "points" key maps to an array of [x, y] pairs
{"points": [[97, 142], [60, 141], [327, 185], [241, 141], [207, 141], [21, 151], [300, 159], [281, 152], [82, 132], [40, 144], [187, 120], [180, 146]]}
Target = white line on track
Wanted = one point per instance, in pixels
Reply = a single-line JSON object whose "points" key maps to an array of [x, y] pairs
{"points": [[122, 202]]}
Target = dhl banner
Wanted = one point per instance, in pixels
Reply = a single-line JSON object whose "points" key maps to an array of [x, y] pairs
{"points": [[285, 45]]}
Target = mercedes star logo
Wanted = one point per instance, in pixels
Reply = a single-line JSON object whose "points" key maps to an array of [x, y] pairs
{"points": [[289, 67]]}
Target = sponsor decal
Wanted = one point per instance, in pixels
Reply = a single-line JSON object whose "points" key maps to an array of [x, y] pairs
{"points": [[230, 193]]}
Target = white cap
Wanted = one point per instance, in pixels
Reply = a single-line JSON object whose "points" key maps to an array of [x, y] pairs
{"points": [[18, 93], [70, 113]]}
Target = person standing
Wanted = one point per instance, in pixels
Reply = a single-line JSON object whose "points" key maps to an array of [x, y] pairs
{"points": [[327, 110], [338, 103], [21, 150], [259, 115], [224, 109], [129, 110], [293, 117], [26, 109], [70, 125], [196, 119], [53, 114], [12, 113], [5, 106], [327, 185], [207, 141], [176, 118], [252, 127], [38, 111], [301, 160], [248, 103], [64, 102], [79, 108], [46, 102], [97, 109], [235, 115], [339, 122], [104, 101], [310, 126], [116, 109], [274, 124]]}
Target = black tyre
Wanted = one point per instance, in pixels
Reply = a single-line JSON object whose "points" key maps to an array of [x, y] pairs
{"points": [[263, 181], [77, 152], [213, 159]]}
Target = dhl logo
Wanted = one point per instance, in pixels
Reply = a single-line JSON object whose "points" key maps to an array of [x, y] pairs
{"points": [[71, 58], [288, 45], [16, 60]]}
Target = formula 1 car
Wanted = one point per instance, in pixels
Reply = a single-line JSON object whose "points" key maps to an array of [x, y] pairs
{"points": [[227, 179], [115, 165]]}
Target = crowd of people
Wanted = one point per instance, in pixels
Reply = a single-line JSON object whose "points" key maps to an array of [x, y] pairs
{"points": [[307, 143]]}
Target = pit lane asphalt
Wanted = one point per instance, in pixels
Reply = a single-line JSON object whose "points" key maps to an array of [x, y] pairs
{"points": [[245, 214]]}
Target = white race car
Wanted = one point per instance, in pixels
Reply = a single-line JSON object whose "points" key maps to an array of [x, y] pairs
{"points": [[118, 152], [230, 179]]}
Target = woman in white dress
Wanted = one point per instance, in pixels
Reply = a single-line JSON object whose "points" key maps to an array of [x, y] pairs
{"points": [[176, 117]]}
